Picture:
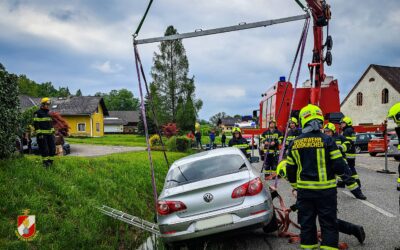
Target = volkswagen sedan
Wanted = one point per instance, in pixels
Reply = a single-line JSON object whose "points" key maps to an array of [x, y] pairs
{"points": [[212, 192]]}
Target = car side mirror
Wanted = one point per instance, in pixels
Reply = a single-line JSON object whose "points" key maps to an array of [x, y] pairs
{"points": [[254, 159]]}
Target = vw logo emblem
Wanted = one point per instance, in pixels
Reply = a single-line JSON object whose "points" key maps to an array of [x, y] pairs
{"points": [[208, 197]]}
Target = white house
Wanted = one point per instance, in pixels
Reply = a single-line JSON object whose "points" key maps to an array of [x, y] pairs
{"points": [[370, 99]]}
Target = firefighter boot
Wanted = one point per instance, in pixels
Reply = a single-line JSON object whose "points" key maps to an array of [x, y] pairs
{"points": [[359, 233], [358, 194]]}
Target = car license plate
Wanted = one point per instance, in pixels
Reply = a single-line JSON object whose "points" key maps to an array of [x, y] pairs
{"points": [[214, 222]]}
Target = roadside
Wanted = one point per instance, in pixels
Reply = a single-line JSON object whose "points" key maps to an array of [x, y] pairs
{"points": [[376, 163], [99, 150], [114, 140]]}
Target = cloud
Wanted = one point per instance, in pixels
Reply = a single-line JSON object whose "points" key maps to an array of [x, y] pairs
{"points": [[107, 67]]}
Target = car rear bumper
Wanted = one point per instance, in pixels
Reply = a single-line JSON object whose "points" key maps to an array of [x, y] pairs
{"points": [[260, 214]]}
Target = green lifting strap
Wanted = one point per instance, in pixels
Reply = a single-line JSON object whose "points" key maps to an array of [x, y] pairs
{"points": [[301, 5], [143, 18]]}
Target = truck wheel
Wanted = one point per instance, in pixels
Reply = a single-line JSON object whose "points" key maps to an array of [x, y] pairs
{"points": [[272, 226], [358, 149], [397, 157], [373, 154]]}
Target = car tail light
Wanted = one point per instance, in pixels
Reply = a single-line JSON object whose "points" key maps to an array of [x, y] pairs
{"points": [[169, 207], [250, 188]]}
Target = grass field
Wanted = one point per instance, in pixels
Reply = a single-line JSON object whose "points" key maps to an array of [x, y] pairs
{"points": [[128, 140], [115, 140], [64, 198]]}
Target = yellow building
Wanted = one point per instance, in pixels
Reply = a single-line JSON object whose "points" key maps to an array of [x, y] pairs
{"points": [[84, 114]]}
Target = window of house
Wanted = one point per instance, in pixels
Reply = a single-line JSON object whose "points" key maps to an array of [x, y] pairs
{"points": [[372, 79], [97, 127], [81, 127], [385, 96], [359, 99]]}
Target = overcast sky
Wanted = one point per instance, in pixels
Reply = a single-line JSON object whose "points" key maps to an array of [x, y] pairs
{"points": [[87, 45]]}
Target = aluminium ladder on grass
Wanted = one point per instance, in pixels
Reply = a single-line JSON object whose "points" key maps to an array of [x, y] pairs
{"points": [[130, 219]]}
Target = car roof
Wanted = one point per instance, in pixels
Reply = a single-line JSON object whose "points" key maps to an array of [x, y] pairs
{"points": [[206, 154]]}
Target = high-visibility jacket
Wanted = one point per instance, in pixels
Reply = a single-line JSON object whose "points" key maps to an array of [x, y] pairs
{"points": [[43, 122], [350, 135], [292, 134], [272, 136], [241, 144], [313, 161], [341, 142]]}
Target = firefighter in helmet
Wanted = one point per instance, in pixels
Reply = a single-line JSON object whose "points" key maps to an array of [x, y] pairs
{"points": [[313, 161], [293, 132], [348, 132], [394, 113], [43, 124], [271, 140], [346, 179], [239, 142], [343, 226]]}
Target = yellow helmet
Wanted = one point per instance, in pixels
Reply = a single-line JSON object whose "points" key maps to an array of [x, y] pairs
{"points": [[281, 169], [347, 120], [394, 113], [310, 112], [330, 126], [236, 129], [294, 120], [45, 100]]}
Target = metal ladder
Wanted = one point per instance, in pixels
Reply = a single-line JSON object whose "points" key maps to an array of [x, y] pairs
{"points": [[130, 219]]}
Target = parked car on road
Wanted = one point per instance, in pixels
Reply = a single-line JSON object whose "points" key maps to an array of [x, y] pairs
{"points": [[377, 145], [393, 150], [362, 139], [35, 147], [212, 192]]}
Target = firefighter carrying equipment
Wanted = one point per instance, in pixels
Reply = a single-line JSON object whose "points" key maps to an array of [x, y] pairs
{"points": [[43, 124], [310, 112], [394, 113], [347, 120]]}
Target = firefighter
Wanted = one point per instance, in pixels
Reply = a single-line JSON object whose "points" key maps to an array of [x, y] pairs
{"points": [[43, 124], [343, 226], [293, 132], [271, 139], [348, 132], [394, 113], [239, 142], [313, 161], [346, 179]]}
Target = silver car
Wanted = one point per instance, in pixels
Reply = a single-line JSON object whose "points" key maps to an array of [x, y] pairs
{"points": [[392, 147], [211, 192]]}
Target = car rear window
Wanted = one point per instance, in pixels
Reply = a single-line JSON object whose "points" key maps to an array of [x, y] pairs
{"points": [[205, 169]]}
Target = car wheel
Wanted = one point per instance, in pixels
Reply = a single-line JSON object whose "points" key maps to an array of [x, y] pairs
{"points": [[358, 149], [272, 226], [397, 157], [373, 154]]}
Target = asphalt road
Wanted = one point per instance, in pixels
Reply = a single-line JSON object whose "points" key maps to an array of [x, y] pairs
{"points": [[379, 215]]}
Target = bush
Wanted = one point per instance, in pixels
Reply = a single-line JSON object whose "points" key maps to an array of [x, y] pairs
{"points": [[180, 144], [170, 130], [9, 109], [171, 144], [155, 140]]}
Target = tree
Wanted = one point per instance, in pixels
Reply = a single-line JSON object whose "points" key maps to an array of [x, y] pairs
{"points": [[121, 100], [78, 92], [217, 117], [9, 108], [170, 74], [63, 92]]}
